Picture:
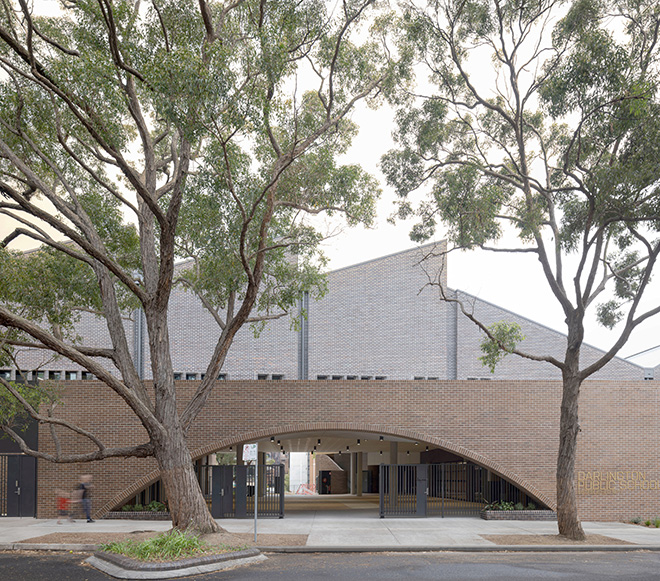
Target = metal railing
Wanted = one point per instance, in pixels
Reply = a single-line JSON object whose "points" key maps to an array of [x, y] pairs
{"points": [[447, 489]]}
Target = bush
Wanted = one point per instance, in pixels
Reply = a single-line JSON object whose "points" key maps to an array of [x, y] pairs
{"points": [[519, 506], [531, 506], [156, 506], [636, 520], [500, 505]]}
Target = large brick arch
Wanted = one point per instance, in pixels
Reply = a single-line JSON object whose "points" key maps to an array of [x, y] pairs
{"points": [[509, 427], [292, 429]]}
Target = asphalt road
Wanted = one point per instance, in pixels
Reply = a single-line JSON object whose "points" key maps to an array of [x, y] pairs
{"points": [[639, 566]]}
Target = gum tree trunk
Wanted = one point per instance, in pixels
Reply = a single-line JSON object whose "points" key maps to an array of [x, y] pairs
{"points": [[567, 514], [186, 502]]}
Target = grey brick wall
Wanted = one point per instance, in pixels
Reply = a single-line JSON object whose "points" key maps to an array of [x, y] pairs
{"points": [[194, 334], [539, 340], [379, 319]]}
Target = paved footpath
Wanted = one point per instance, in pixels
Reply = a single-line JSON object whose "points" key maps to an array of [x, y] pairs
{"points": [[343, 531]]}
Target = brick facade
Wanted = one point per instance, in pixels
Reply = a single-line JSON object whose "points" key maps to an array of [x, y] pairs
{"points": [[380, 318], [511, 427]]}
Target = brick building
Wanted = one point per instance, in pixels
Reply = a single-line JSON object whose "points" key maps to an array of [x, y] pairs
{"points": [[379, 320], [381, 359]]}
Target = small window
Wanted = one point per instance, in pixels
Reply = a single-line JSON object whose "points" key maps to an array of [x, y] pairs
{"points": [[222, 377], [38, 375], [380, 377], [351, 377], [337, 377], [70, 375], [277, 377], [418, 378], [432, 378], [191, 376], [321, 377], [86, 375], [5, 374], [262, 376], [202, 376], [365, 377], [178, 376], [55, 375]]}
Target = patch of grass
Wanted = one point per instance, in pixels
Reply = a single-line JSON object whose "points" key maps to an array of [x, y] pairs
{"points": [[170, 546]]}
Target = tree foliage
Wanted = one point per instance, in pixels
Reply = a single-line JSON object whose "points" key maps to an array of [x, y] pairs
{"points": [[542, 119], [136, 133], [502, 339]]}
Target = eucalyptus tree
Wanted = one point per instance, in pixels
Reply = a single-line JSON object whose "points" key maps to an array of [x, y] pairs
{"points": [[133, 133], [540, 118]]}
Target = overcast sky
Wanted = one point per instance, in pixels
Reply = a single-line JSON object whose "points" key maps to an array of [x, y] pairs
{"points": [[513, 282]]}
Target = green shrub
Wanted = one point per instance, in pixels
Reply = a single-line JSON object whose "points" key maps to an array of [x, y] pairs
{"points": [[647, 523], [656, 523], [636, 520], [138, 508], [156, 506], [531, 506], [500, 505], [519, 506], [127, 508]]}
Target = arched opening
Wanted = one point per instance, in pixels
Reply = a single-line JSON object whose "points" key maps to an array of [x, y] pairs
{"points": [[342, 470]]}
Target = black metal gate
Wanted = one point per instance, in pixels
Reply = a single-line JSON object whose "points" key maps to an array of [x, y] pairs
{"points": [[456, 489], [18, 485], [449, 489], [233, 491]]}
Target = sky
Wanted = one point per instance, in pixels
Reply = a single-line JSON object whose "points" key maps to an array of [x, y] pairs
{"points": [[515, 283]]}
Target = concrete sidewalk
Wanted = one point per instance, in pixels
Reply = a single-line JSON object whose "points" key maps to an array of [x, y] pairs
{"points": [[349, 532]]}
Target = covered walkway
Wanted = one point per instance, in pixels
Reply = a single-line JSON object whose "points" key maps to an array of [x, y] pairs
{"points": [[320, 504]]}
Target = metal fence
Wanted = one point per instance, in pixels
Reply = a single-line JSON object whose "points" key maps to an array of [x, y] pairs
{"points": [[448, 489], [456, 489]]}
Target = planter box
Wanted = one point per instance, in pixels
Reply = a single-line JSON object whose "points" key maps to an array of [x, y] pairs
{"points": [[142, 515], [518, 515]]}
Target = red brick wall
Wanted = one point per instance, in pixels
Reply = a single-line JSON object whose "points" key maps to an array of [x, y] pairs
{"points": [[510, 427]]}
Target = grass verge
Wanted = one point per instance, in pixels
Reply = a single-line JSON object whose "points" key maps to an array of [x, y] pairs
{"points": [[170, 546]]}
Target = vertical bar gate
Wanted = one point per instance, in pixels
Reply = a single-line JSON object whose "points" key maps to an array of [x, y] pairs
{"points": [[233, 491], [449, 489]]}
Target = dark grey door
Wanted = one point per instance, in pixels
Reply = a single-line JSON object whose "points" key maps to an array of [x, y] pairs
{"points": [[222, 491], [21, 485]]}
